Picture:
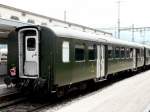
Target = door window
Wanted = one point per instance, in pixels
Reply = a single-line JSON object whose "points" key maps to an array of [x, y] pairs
{"points": [[31, 44]]}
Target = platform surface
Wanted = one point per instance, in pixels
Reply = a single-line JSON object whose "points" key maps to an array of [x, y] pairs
{"points": [[129, 95]]}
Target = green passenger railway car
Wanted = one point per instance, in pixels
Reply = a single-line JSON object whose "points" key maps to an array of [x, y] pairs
{"points": [[56, 58]]}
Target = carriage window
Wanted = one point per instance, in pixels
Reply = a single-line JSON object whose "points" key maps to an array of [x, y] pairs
{"points": [[142, 52], [138, 52], [149, 52], [31, 21], [117, 52], [44, 24], [14, 17], [131, 53], [122, 50], [31, 44], [91, 53], [110, 52], [65, 52], [79, 52], [127, 53]]}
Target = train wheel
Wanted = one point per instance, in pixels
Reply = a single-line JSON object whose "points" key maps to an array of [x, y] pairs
{"points": [[83, 86]]}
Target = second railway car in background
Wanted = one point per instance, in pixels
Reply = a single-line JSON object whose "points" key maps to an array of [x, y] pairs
{"points": [[56, 58]]}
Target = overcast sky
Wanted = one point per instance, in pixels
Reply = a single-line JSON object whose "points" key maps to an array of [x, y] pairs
{"points": [[94, 13]]}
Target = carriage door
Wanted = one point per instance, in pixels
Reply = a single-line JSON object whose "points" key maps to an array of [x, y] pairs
{"points": [[31, 64], [100, 61], [134, 58]]}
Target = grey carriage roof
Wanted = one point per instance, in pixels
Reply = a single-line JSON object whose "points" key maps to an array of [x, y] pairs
{"points": [[123, 42], [70, 33]]}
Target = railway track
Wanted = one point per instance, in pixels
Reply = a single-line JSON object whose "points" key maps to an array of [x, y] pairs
{"points": [[10, 98], [26, 104]]}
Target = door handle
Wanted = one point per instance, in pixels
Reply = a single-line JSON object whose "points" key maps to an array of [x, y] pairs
{"points": [[34, 54]]}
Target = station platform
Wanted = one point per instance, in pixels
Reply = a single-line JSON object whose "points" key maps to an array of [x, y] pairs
{"points": [[4, 90], [128, 95], [3, 87]]}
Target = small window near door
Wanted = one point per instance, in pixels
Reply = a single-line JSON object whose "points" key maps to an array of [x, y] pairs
{"points": [[122, 51], [65, 52], [117, 52], [127, 52], [31, 44], [110, 52], [91, 53]]}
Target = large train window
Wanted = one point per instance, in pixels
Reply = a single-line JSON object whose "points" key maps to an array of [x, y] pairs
{"points": [[117, 52], [79, 52], [91, 52], [122, 51], [65, 52], [110, 52], [31, 44]]}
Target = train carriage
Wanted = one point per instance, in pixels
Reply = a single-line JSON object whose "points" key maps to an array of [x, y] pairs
{"points": [[58, 57], [123, 55]]}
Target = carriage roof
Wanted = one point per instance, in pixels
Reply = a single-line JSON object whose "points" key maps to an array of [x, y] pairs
{"points": [[71, 33]]}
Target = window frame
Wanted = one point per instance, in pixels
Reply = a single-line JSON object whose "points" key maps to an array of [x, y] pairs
{"points": [[148, 52], [65, 46], [93, 47], [122, 49], [29, 47], [117, 47], [112, 52], [79, 46], [130, 49], [31, 21], [16, 18], [44, 24], [138, 53]]}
